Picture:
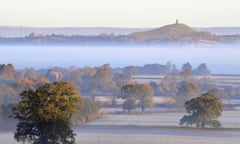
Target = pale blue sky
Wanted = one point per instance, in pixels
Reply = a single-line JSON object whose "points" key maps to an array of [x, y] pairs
{"points": [[119, 13]]}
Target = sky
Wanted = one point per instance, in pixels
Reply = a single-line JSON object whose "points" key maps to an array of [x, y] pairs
{"points": [[119, 13]]}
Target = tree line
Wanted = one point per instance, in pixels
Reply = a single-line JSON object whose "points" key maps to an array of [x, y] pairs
{"points": [[178, 84], [104, 80]]}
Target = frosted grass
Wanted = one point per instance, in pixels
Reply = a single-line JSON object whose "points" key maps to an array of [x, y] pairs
{"points": [[151, 139], [125, 135], [229, 119], [114, 129], [162, 119]]}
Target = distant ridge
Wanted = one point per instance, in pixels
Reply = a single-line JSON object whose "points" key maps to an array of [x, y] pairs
{"points": [[10, 31], [7, 31], [167, 35], [168, 31]]}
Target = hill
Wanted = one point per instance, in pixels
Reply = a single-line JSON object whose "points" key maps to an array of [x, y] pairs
{"points": [[175, 33], [173, 30]]}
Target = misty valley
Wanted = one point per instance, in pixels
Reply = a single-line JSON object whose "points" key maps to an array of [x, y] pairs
{"points": [[119, 72], [140, 94], [173, 84]]}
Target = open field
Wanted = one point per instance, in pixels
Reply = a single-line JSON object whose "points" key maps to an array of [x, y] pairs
{"points": [[150, 128], [157, 128], [229, 119], [144, 135], [151, 139], [154, 135]]}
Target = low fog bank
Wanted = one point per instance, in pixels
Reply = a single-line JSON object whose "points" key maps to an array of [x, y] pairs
{"points": [[220, 59]]}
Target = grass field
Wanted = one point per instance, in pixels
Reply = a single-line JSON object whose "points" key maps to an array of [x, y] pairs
{"points": [[154, 128], [229, 119], [151, 139], [159, 128]]}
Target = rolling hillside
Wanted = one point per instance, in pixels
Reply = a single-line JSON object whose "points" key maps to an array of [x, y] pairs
{"points": [[179, 33], [173, 30]]}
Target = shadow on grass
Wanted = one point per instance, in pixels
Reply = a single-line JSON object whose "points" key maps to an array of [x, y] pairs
{"points": [[44, 133]]}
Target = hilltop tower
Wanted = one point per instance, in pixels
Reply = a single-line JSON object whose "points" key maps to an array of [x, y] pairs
{"points": [[176, 21]]}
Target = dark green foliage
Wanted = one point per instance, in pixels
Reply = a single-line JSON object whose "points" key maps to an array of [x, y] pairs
{"points": [[203, 111]]}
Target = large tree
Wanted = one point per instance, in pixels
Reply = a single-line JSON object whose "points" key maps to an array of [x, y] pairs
{"points": [[48, 105], [203, 111], [133, 92]]}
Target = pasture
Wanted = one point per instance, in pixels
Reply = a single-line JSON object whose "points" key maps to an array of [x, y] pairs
{"points": [[156, 128], [150, 128]]}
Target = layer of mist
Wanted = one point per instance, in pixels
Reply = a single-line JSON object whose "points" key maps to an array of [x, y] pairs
{"points": [[220, 59]]}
